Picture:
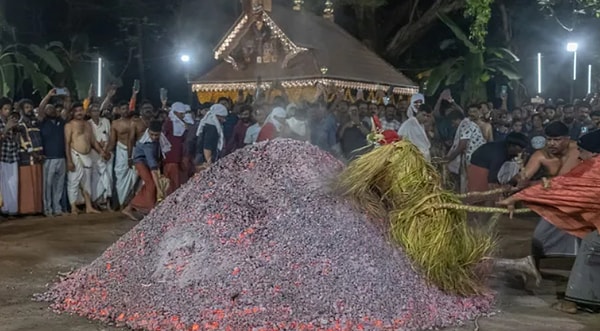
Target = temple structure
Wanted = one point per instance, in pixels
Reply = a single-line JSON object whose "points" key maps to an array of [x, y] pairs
{"points": [[296, 50]]}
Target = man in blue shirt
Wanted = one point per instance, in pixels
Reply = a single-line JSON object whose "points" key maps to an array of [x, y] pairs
{"points": [[146, 158], [52, 129]]}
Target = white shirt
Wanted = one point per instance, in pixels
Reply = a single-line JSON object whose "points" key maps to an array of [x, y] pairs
{"points": [[467, 130], [252, 134], [414, 132], [102, 130]]}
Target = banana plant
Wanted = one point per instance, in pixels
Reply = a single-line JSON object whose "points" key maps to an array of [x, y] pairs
{"points": [[471, 71], [21, 63], [80, 66]]}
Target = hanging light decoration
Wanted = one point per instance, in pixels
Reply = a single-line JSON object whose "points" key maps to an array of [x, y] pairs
{"points": [[328, 11], [298, 4]]}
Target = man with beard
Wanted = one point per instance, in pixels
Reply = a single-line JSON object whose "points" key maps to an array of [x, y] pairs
{"points": [[595, 115], [52, 129], [240, 129], [389, 121], [125, 175], [572, 123], [79, 141], [31, 156], [102, 170], [559, 157]]}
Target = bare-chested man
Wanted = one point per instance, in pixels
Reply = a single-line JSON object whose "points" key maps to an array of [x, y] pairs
{"points": [[79, 141], [560, 156], [125, 174]]}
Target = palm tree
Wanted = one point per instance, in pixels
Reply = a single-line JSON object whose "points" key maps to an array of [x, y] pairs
{"points": [[471, 72]]}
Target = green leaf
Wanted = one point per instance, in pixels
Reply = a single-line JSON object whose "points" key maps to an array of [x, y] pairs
{"points": [[438, 76], [508, 70], [458, 32], [48, 57], [503, 53]]}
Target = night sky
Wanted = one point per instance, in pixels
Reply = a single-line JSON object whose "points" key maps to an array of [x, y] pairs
{"points": [[200, 25]]}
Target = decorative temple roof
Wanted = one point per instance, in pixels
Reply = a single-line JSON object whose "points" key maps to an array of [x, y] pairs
{"points": [[296, 49]]}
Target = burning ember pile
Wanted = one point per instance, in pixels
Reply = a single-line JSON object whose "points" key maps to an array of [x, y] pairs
{"points": [[258, 242]]}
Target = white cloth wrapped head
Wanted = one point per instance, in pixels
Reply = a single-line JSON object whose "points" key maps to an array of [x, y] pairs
{"points": [[178, 124], [413, 108], [277, 116], [216, 110]]}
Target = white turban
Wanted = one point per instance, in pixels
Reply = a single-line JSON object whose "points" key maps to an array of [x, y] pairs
{"points": [[412, 109], [278, 112], [178, 124], [211, 118]]}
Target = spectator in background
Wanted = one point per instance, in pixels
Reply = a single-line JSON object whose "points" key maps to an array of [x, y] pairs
{"points": [[572, 123], [102, 170], [9, 158], [211, 139], [595, 116], [232, 117], [297, 122], [52, 130], [31, 157], [259, 116], [324, 126], [239, 131], [389, 121], [414, 131], [353, 135], [468, 139], [275, 126], [174, 129]]}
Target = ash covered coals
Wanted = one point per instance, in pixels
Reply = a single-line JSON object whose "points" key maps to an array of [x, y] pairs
{"points": [[258, 242]]}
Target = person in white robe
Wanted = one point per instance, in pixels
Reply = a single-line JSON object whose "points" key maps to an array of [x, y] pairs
{"points": [[102, 172], [413, 130]]}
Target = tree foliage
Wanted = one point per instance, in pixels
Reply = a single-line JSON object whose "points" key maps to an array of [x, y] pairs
{"points": [[471, 71]]}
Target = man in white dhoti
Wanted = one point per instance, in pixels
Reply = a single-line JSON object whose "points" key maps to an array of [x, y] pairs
{"points": [[79, 141], [101, 181], [124, 172], [9, 166]]}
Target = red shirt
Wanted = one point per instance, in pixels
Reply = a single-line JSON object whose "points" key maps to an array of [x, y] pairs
{"points": [[175, 155], [268, 132], [237, 140]]}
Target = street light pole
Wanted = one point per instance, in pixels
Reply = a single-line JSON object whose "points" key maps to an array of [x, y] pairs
{"points": [[572, 47], [186, 62]]}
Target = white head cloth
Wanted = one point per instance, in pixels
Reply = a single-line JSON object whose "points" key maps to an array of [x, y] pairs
{"points": [[278, 112], [178, 124], [412, 109], [211, 118]]}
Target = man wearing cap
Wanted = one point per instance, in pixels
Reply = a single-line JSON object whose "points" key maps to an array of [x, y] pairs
{"points": [[570, 202]]}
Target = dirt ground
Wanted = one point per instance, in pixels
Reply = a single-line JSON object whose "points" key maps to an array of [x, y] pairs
{"points": [[34, 250]]}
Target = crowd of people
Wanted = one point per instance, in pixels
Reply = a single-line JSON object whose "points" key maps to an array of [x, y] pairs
{"points": [[102, 155]]}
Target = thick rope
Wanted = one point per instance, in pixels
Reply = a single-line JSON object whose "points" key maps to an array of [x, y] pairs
{"points": [[477, 209]]}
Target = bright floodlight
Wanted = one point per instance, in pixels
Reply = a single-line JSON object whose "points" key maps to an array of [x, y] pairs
{"points": [[185, 58], [572, 47]]}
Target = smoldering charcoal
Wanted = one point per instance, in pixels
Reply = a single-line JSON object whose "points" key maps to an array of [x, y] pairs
{"points": [[259, 242]]}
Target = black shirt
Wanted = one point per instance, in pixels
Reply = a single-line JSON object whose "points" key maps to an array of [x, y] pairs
{"points": [[491, 156], [52, 131], [353, 143], [209, 140]]}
